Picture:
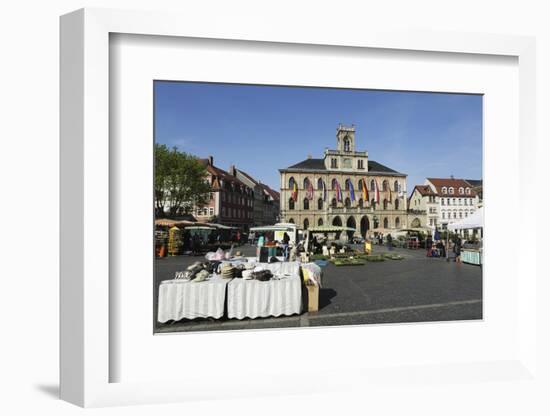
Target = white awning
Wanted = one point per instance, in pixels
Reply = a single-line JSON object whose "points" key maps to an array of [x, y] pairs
{"points": [[473, 221]]}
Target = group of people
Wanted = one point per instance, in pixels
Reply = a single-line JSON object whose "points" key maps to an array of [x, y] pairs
{"points": [[379, 238], [439, 248]]}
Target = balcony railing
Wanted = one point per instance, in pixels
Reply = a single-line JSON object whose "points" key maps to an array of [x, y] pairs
{"points": [[417, 211]]}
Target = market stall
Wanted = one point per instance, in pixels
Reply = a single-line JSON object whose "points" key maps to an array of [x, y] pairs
{"points": [[181, 298], [280, 295], [242, 286], [471, 253]]}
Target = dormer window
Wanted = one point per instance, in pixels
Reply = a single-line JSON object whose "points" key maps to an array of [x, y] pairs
{"points": [[461, 191], [451, 190], [444, 190]]}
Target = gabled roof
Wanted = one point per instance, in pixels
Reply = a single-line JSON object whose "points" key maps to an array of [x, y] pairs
{"points": [[309, 164], [220, 174], [312, 164], [247, 176], [271, 192], [378, 167], [439, 183], [424, 190], [475, 182]]}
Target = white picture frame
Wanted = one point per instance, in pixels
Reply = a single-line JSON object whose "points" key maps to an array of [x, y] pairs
{"points": [[86, 355]]}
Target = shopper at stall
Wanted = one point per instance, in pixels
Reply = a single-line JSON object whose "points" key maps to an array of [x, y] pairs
{"points": [[261, 241], [285, 245]]}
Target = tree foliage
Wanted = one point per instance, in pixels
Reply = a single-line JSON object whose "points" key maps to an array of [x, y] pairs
{"points": [[180, 182]]}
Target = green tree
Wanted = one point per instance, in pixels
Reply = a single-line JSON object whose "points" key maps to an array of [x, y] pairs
{"points": [[180, 182]]}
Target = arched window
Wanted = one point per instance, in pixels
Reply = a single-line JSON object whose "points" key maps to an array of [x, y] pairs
{"points": [[360, 185], [320, 222], [444, 190], [320, 183], [306, 203], [347, 147], [461, 190], [291, 203], [348, 202], [454, 214], [397, 222], [360, 203], [385, 223], [396, 186], [385, 204], [372, 185], [385, 186], [373, 203], [396, 203], [306, 224], [443, 214], [291, 182], [347, 184], [291, 221], [320, 203], [460, 214], [451, 190], [333, 183], [306, 183], [333, 203]]}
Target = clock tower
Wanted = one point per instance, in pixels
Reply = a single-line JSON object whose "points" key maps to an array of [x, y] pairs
{"points": [[345, 138]]}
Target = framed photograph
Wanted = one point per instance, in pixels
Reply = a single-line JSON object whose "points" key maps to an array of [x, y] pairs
{"points": [[290, 213]]}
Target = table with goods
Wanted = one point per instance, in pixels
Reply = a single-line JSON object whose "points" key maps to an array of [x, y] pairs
{"points": [[236, 287]]}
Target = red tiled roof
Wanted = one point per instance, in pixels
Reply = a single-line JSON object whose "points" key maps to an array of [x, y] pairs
{"points": [[220, 173], [424, 190], [454, 183]]}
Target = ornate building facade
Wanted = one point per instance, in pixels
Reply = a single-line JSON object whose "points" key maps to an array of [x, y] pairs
{"points": [[344, 188]]}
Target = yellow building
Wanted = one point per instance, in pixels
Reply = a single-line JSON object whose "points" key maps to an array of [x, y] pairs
{"points": [[344, 188]]}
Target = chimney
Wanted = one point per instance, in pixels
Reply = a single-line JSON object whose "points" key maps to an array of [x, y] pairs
{"points": [[211, 160], [232, 170]]}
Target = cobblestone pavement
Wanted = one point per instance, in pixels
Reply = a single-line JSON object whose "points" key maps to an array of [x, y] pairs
{"points": [[415, 289]]}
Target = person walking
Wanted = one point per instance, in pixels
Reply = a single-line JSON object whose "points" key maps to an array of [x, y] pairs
{"points": [[429, 244], [389, 239], [458, 249]]}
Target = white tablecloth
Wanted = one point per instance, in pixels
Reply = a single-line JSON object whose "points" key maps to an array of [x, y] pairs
{"points": [[180, 299], [253, 298]]}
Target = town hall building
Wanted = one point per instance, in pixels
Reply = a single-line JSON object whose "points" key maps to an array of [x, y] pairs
{"points": [[344, 188]]}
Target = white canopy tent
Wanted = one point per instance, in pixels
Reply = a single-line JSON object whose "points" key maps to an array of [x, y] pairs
{"points": [[473, 221]]}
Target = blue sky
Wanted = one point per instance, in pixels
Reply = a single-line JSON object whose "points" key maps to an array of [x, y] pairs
{"points": [[260, 129]]}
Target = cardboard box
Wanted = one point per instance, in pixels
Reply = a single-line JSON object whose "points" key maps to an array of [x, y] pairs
{"points": [[312, 298]]}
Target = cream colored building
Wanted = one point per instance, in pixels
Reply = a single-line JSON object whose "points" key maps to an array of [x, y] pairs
{"points": [[315, 199]]}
